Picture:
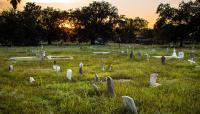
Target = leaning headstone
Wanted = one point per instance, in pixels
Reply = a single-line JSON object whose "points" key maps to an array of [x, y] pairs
{"points": [[110, 86], [96, 90], [139, 55], [81, 69], [163, 60], [96, 77], [131, 55], [11, 68], [31, 80], [153, 78], [109, 67], [181, 55], [174, 53], [69, 74], [129, 104]]}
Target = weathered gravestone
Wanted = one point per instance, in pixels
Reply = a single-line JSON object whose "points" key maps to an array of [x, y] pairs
{"points": [[31, 80], [129, 104], [96, 77], [81, 69], [167, 50], [147, 56], [11, 68], [139, 55], [110, 86], [191, 56], [96, 89], [131, 55], [56, 68], [163, 60], [69, 74], [153, 78]]}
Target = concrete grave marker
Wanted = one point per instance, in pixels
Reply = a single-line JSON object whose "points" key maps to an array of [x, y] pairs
{"points": [[31, 80], [109, 67], [69, 74], [174, 53], [56, 68], [103, 67], [129, 104], [139, 55], [181, 55], [110, 86], [153, 78]]}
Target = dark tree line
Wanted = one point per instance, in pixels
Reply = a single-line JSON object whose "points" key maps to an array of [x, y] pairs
{"points": [[97, 22], [178, 25]]}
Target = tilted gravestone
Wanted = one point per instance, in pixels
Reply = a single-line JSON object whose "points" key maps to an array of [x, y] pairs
{"points": [[110, 86], [69, 74], [163, 60], [153, 78], [81, 69], [96, 89], [11, 68], [129, 104], [31, 80], [131, 55], [96, 77]]}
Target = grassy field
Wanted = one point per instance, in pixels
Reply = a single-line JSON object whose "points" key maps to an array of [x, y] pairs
{"points": [[54, 94]]}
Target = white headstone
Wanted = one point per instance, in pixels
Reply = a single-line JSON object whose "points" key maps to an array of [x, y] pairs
{"points": [[129, 104], [153, 78], [56, 68], [181, 55], [69, 74], [174, 53], [11, 68], [103, 67], [31, 80], [81, 65]]}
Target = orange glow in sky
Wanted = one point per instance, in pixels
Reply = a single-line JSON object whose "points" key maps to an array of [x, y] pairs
{"points": [[131, 8]]}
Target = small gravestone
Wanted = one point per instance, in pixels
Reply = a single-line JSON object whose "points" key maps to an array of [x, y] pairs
{"points": [[174, 53], [31, 80], [96, 89], [109, 67], [129, 104], [69, 74], [96, 77], [127, 51], [181, 55], [56, 68], [103, 67], [110, 86], [153, 78], [81, 69], [147, 56], [131, 55], [191, 55], [163, 60], [11, 68], [139, 55]]}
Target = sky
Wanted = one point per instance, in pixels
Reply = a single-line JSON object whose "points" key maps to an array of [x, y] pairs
{"points": [[131, 8]]}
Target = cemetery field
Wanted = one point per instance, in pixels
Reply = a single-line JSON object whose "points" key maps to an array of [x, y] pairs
{"points": [[53, 93]]}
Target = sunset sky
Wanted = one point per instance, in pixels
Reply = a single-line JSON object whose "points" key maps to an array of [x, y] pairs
{"points": [[131, 8]]}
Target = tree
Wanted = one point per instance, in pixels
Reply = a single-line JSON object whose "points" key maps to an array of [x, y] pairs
{"points": [[14, 3], [96, 20]]}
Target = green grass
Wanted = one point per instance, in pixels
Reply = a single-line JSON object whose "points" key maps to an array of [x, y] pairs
{"points": [[53, 94]]}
